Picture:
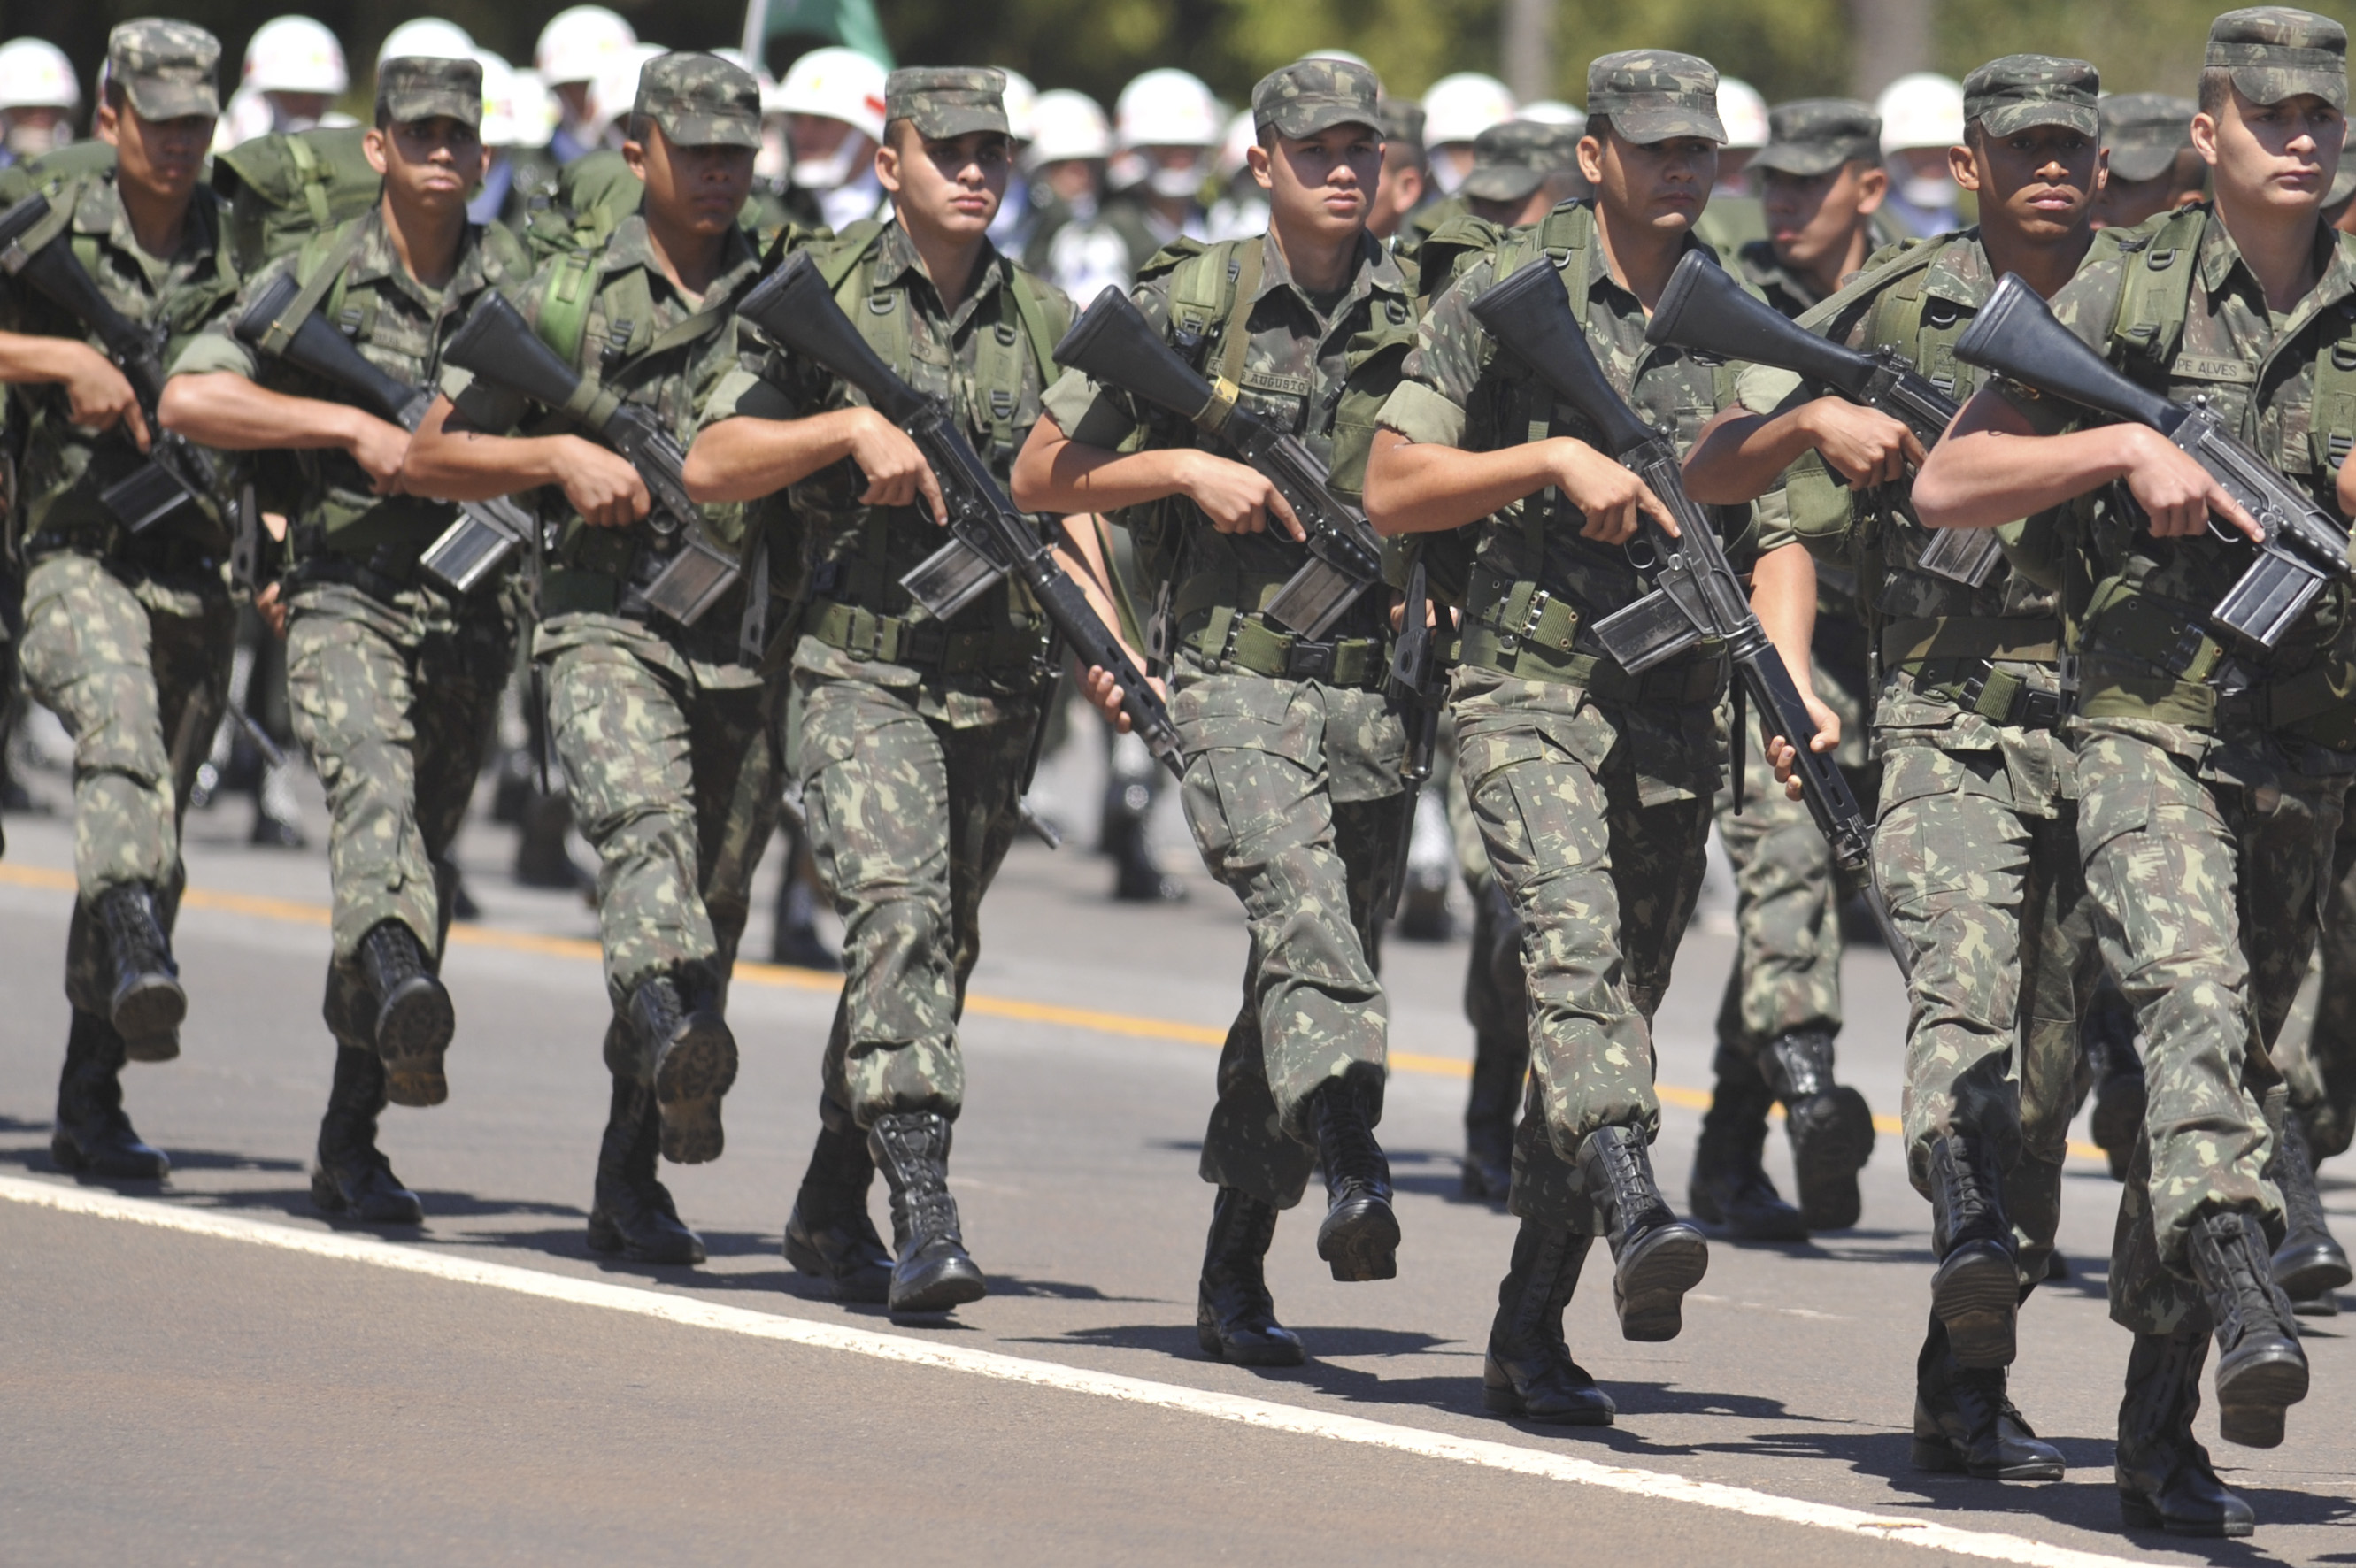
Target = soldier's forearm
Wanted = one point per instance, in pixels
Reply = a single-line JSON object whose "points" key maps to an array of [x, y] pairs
{"points": [[464, 464], [1056, 473], [1783, 597], [28, 359], [1415, 487], [1742, 455], [225, 411], [744, 459], [1992, 467]]}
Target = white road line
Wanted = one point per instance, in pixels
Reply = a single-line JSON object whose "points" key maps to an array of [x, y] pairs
{"points": [[1262, 1413]]}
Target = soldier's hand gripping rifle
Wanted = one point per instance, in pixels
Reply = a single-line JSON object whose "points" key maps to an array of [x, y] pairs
{"points": [[1697, 596], [797, 311], [487, 532], [2016, 336], [1113, 343], [1705, 309], [166, 489], [499, 347]]}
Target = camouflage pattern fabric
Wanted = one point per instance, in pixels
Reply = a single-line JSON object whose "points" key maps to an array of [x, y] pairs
{"points": [[136, 667], [2319, 1061], [944, 102], [700, 100], [2008, 96], [2143, 132], [1312, 95], [411, 88], [1813, 136], [1653, 95], [1788, 290], [2277, 52], [1512, 160], [165, 67]]}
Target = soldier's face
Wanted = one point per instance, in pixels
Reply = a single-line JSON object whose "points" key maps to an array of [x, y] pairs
{"points": [[2123, 203], [1652, 185], [1812, 217], [162, 157], [1322, 184], [429, 165], [2280, 155], [2038, 182], [950, 187], [699, 188]]}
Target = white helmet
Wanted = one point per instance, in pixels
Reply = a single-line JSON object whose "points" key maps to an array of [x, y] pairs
{"points": [[1169, 107], [1022, 105], [35, 74], [580, 44], [1552, 112], [532, 107], [1924, 110], [295, 54], [244, 115], [1066, 124], [836, 83], [749, 66], [1742, 111], [498, 99], [1243, 136], [1459, 108], [426, 38], [614, 89]]}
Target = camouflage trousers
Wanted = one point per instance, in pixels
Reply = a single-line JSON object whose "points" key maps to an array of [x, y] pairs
{"points": [[2319, 1063], [910, 818], [1495, 1002], [136, 669], [2206, 881], [670, 766], [1979, 863], [1596, 819], [395, 702], [1291, 790]]}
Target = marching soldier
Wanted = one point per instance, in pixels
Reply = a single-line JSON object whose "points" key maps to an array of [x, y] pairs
{"points": [[1292, 782], [128, 637], [394, 682], [2211, 779], [664, 730]]}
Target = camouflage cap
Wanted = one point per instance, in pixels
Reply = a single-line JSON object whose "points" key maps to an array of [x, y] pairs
{"points": [[1815, 136], [414, 86], [2145, 130], [1403, 123], [946, 101], [700, 100], [1312, 95], [2276, 52], [2009, 95], [1511, 160], [1653, 95], [165, 67]]}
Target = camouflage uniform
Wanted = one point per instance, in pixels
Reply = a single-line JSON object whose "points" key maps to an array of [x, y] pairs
{"points": [[2321, 1065], [367, 637], [1810, 138], [126, 640], [914, 733], [1293, 781], [1511, 161]]}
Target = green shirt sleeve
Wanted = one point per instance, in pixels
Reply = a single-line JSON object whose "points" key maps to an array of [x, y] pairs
{"points": [[1452, 351]]}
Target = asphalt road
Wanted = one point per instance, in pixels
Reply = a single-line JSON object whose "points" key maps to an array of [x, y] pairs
{"points": [[178, 1392]]}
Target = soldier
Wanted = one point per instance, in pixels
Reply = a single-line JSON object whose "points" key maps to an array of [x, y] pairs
{"points": [[1975, 851], [915, 733], [1592, 786], [2149, 138], [1822, 188], [1292, 785], [1521, 169], [1407, 177], [126, 638], [2211, 781], [663, 730], [393, 681]]}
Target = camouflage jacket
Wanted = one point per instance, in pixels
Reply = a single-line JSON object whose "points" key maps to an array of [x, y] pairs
{"points": [[1788, 290], [398, 325], [1296, 356], [64, 467], [2130, 598]]}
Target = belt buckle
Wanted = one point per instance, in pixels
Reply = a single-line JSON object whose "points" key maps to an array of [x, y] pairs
{"points": [[1529, 627], [1968, 693], [2037, 709], [1308, 661]]}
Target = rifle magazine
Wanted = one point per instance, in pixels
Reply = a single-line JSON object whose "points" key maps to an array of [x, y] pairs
{"points": [[951, 578], [692, 581], [1653, 630], [1314, 598], [468, 552], [150, 496], [1968, 556], [2268, 600]]}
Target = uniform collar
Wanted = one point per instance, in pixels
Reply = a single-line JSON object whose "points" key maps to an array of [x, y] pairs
{"points": [[897, 263], [630, 247], [1960, 271], [2220, 257], [100, 211], [377, 260]]}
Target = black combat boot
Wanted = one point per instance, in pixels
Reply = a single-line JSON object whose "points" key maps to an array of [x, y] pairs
{"points": [[692, 1057], [353, 1177], [2165, 1479], [931, 1271], [93, 1135], [2261, 1370], [1963, 1420], [1829, 1124], [1976, 1290], [413, 1016], [1659, 1257], [1731, 1185], [2309, 1265], [829, 1235], [634, 1215], [1528, 1371], [1360, 1237], [2106, 1036], [1497, 1069], [1235, 1316], [147, 1004]]}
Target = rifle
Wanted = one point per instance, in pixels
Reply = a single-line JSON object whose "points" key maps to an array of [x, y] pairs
{"points": [[1706, 310], [486, 532], [170, 487], [1696, 595], [2016, 336], [797, 311], [1417, 684], [500, 348], [1113, 343]]}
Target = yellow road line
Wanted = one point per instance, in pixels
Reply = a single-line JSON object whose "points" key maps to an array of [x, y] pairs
{"points": [[782, 976]]}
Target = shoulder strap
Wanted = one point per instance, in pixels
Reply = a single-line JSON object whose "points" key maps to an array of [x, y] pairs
{"points": [[1042, 333], [318, 267], [1915, 257], [565, 305], [2156, 290], [1234, 343], [1203, 291], [839, 261]]}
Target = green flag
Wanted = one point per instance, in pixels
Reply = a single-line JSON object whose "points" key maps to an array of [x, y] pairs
{"points": [[851, 23]]}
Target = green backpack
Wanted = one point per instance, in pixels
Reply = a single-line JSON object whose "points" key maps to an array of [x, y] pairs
{"points": [[283, 188]]}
